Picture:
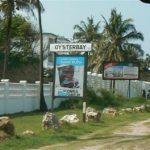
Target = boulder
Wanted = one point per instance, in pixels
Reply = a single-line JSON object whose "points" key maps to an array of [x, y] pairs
{"points": [[141, 108], [50, 121], [110, 111], [69, 119], [93, 114], [28, 132], [147, 107], [3, 135], [6, 125], [128, 110]]}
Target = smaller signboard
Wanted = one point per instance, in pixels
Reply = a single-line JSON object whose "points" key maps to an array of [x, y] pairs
{"points": [[69, 75], [70, 47], [120, 71]]}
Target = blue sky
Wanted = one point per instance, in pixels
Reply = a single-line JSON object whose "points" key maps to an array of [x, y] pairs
{"points": [[61, 15]]}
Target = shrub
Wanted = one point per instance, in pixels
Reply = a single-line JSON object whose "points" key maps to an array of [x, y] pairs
{"points": [[101, 98], [71, 103]]}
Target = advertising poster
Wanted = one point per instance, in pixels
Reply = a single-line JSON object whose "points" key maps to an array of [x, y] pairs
{"points": [[120, 71], [69, 76]]}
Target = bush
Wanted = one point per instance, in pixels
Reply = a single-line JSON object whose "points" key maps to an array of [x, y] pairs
{"points": [[48, 74], [101, 98], [22, 58], [71, 104]]}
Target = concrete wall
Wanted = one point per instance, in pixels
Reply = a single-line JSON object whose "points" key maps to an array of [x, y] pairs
{"points": [[24, 97], [95, 81]]}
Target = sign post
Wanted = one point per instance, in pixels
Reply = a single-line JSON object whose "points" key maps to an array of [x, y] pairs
{"points": [[84, 111], [70, 71]]}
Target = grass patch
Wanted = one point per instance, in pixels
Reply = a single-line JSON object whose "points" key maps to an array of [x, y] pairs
{"points": [[101, 130], [32, 121]]}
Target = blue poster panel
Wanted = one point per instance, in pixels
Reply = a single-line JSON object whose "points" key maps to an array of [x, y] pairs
{"points": [[69, 76], [120, 71]]}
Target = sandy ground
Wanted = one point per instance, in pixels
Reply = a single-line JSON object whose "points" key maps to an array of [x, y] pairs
{"points": [[135, 136], [137, 128], [130, 132]]}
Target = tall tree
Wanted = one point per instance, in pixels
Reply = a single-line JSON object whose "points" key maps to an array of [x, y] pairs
{"points": [[117, 42], [120, 36], [98, 55], [43, 106], [38, 5], [8, 7], [87, 32], [24, 33]]}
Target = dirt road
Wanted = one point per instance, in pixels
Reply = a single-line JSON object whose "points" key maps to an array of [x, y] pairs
{"points": [[135, 136]]}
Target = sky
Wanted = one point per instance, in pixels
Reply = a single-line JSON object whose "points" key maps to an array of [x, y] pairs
{"points": [[60, 16]]}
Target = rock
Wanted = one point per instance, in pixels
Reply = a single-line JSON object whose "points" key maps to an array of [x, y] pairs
{"points": [[6, 125], [147, 107], [28, 132], [50, 121], [110, 111], [69, 119], [55, 121], [141, 108], [3, 135], [93, 114], [129, 110]]}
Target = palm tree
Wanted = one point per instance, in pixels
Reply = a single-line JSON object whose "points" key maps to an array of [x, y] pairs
{"points": [[120, 36], [97, 56], [116, 42], [87, 32], [38, 5], [43, 106], [8, 7]]}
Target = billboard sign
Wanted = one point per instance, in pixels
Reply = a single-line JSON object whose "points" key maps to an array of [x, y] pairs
{"points": [[69, 75], [70, 47], [120, 71]]}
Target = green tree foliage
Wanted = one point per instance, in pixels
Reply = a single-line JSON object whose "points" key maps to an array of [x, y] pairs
{"points": [[87, 32], [145, 63], [8, 9], [121, 34], [23, 35], [117, 42], [147, 60]]}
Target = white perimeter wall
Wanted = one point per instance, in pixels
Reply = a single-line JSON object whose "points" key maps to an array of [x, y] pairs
{"points": [[24, 97]]}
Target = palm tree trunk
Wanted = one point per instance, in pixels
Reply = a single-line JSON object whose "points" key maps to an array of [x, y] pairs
{"points": [[7, 44], [43, 106]]}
